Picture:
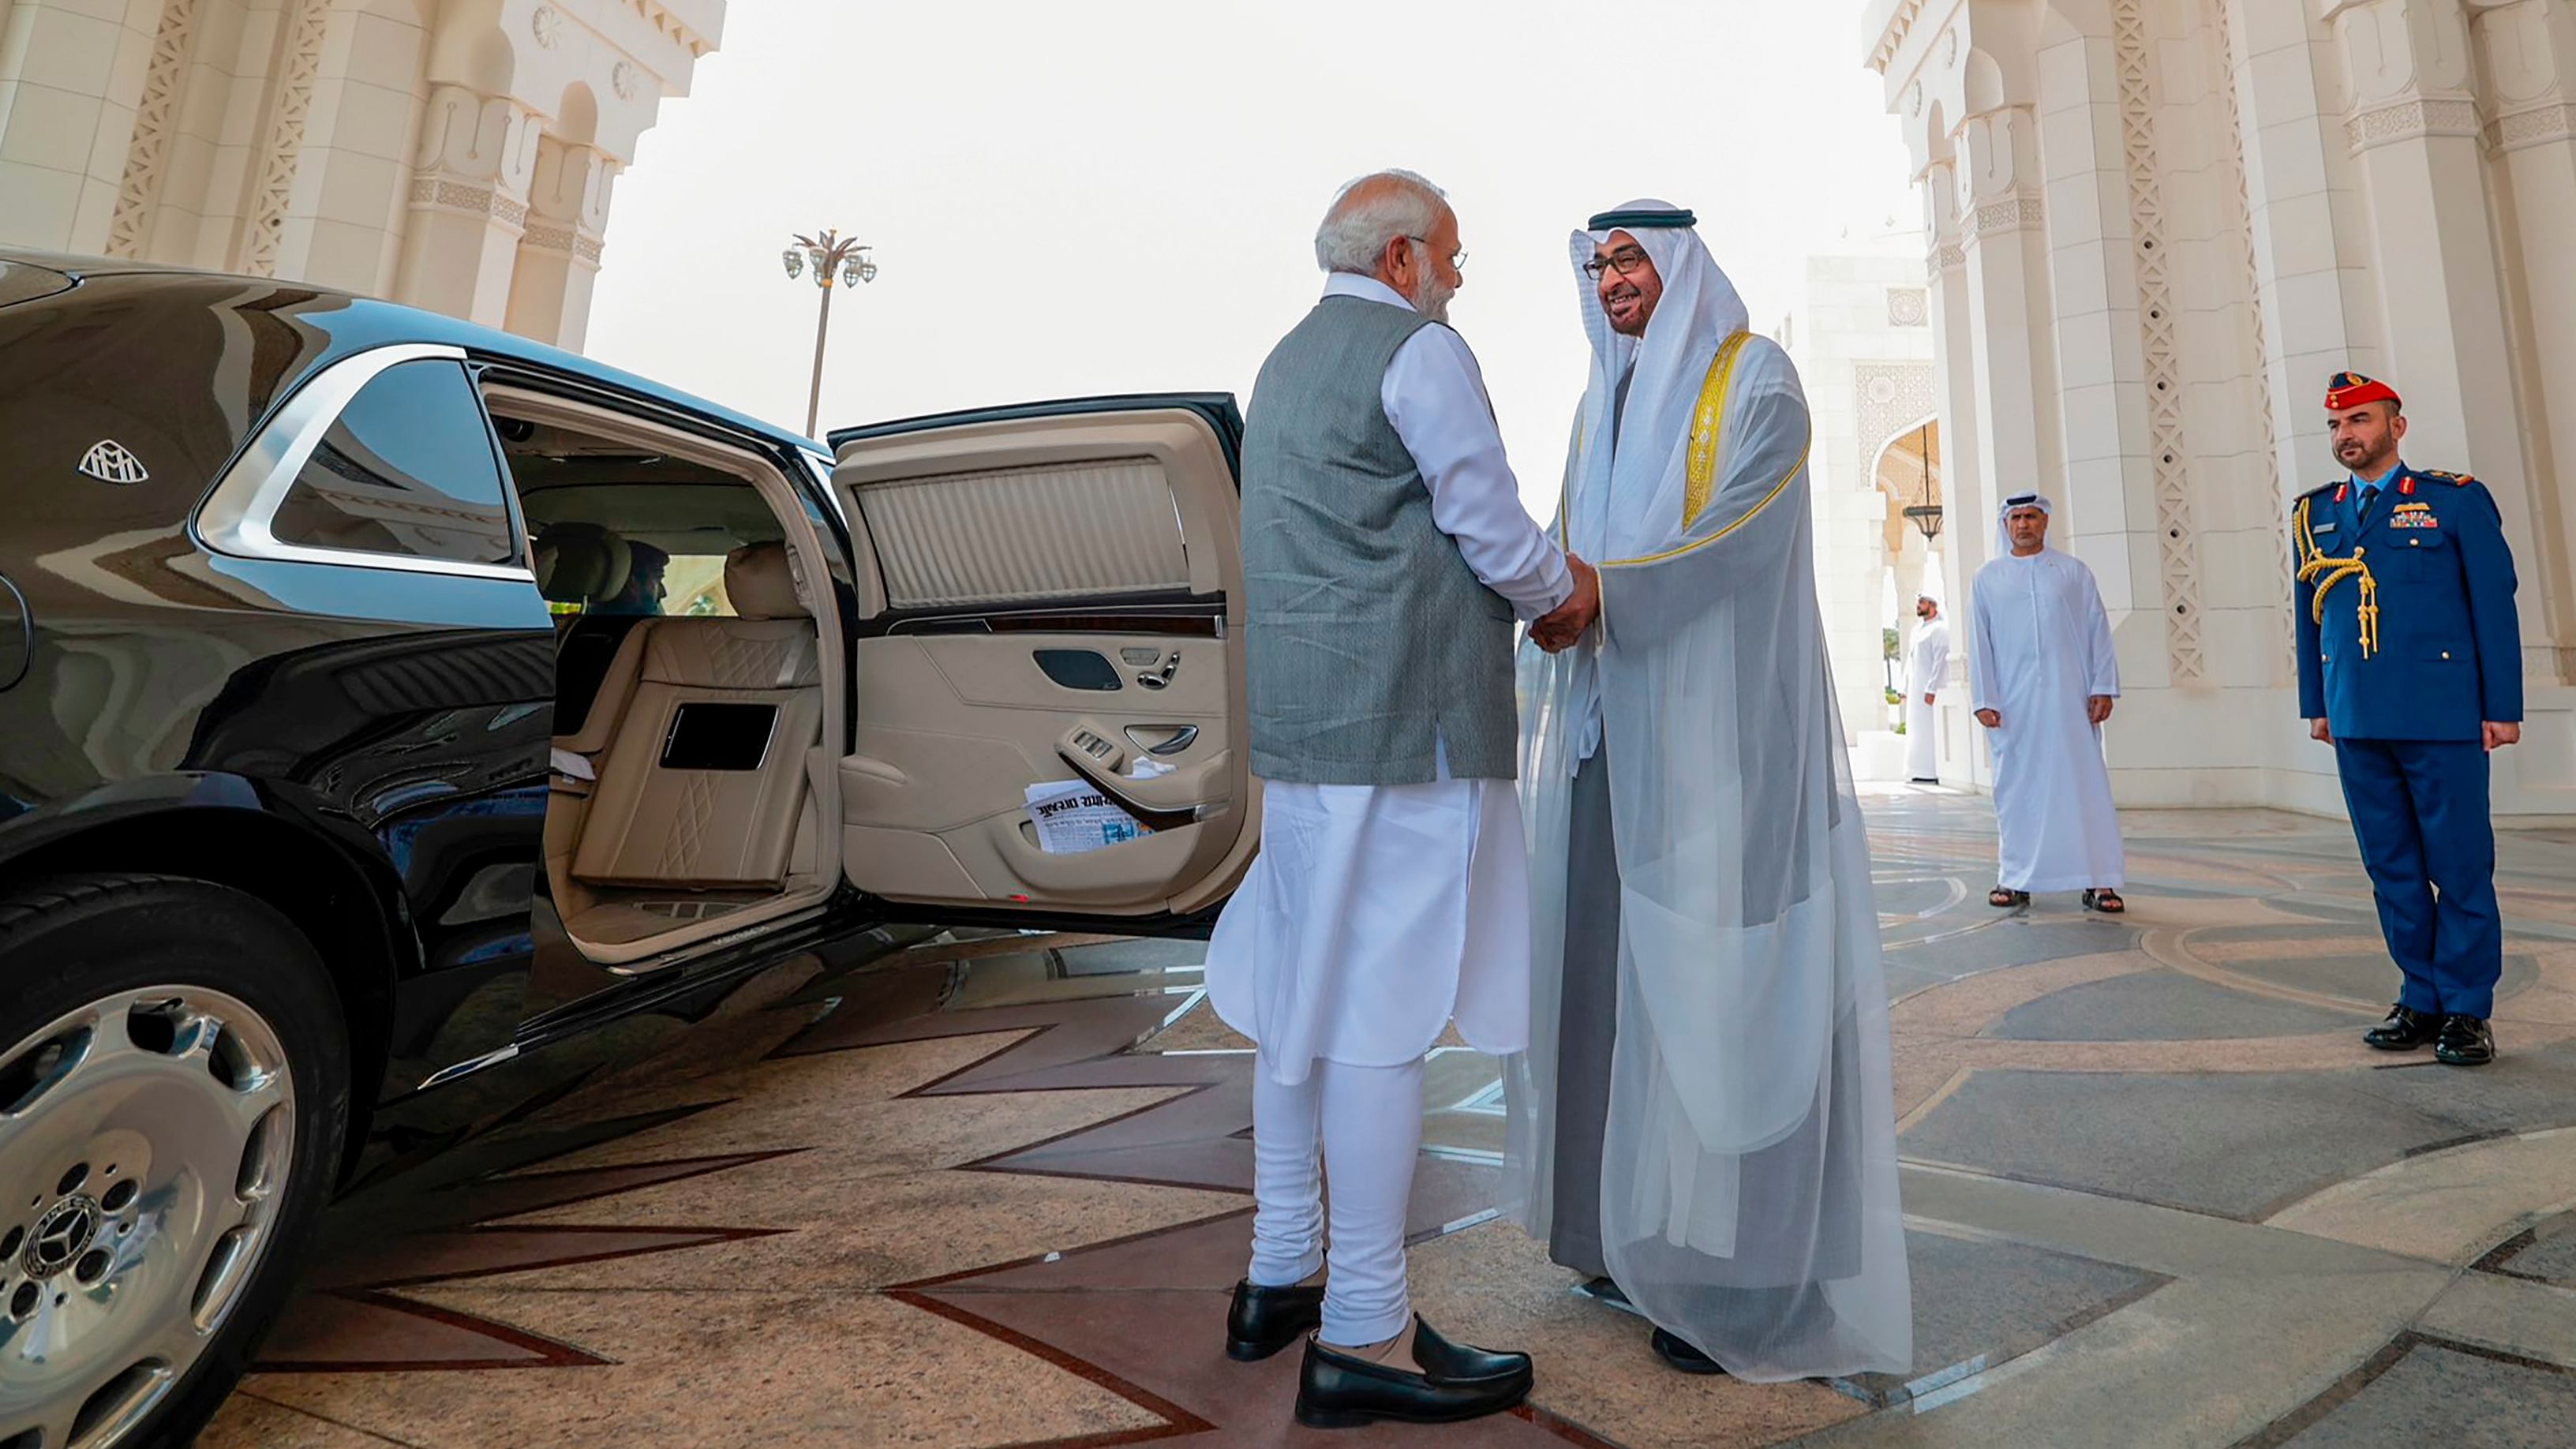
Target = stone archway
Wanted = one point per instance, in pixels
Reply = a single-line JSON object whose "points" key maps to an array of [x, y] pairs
{"points": [[1907, 470]]}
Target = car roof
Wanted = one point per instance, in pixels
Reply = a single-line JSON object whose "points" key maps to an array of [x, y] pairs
{"points": [[381, 321]]}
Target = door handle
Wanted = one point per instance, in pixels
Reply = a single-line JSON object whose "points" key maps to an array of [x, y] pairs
{"points": [[1182, 738], [1150, 817]]}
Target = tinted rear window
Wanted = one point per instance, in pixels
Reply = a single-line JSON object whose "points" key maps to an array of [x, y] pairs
{"points": [[407, 469]]}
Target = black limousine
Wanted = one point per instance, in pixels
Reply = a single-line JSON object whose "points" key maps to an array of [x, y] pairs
{"points": [[385, 700]]}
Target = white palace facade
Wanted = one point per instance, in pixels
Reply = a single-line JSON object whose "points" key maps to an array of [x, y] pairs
{"points": [[453, 154], [2154, 229]]}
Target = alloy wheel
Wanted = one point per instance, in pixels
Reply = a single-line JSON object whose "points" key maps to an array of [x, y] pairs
{"points": [[146, 1141]]}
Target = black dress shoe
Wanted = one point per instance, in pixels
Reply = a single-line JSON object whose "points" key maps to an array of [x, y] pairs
{"points": [[2466, 1042], [1444, 1362], [1338, 1391], [1682, 1356], [2404, 1030], [1266, 1320]]}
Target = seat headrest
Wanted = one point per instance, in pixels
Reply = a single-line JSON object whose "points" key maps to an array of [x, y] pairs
{"points": [[579, 562], [763, 582]]}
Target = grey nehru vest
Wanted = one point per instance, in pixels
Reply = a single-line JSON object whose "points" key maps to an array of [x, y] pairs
{"points": [[1370, 641]]}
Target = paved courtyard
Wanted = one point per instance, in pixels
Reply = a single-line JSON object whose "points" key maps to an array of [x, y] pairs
{"points": [[992, 1191]]}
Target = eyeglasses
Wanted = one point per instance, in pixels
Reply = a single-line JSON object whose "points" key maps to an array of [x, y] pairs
{"points": [[1457, 259], [1624, 261]]}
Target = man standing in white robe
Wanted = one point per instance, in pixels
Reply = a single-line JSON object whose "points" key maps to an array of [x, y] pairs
{"points": [[1703, 1122], [1925, 663], [2041, 677], [1386, 554]]}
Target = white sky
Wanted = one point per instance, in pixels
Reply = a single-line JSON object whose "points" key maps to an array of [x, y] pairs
{"points": [[1121, 196]]}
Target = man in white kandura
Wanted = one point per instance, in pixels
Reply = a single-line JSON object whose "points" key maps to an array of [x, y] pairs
{"points": [[1924, 664], [2041, 677], [1703, 1120], [1385, 555]]}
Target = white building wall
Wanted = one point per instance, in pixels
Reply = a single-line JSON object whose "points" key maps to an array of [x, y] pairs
{"points": [[456, 154], [2156, 227], [1862, 341]]}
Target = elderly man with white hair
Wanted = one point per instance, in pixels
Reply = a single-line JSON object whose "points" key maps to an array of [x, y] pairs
{"points": [[2042, 677], [1386, 554]]}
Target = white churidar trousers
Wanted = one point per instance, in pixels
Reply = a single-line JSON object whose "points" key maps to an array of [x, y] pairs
{"points": [[1376, 1114]]}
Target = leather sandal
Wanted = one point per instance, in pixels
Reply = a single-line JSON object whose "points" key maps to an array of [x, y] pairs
{"points": [[2003, 899], [2106, 901]]}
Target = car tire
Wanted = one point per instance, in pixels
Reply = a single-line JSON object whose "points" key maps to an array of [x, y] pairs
{"points": [[174, 1091]]}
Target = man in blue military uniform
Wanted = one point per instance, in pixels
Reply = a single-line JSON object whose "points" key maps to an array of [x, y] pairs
{"points": [[2410, 665]]}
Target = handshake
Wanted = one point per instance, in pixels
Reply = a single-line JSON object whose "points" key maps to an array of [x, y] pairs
{"points": [[1559, 630]]}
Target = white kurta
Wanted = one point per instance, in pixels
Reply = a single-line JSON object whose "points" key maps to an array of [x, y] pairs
{"points": [[1924, 665], [1374, 914], [2040, 646]]}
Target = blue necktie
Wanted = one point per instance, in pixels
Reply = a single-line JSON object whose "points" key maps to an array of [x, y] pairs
{"points": [[2369, 497]]}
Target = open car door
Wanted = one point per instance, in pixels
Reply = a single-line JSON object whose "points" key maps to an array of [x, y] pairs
{"points": [[1049, 595]]}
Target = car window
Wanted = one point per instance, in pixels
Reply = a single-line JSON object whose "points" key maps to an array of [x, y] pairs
{"points": [[659, 582], [408, 468]]}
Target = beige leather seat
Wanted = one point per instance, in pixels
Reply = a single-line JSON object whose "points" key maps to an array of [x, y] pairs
{"points": [[702, 783]]}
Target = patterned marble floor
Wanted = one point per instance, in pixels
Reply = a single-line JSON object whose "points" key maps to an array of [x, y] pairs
{"points": [[992, 1191]]}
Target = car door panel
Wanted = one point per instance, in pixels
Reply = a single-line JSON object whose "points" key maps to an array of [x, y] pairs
{"points": [[1055, 574]]}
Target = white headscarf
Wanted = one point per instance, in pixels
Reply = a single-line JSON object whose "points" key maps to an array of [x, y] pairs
{"points": [[1699, 310], [2003, 512]]}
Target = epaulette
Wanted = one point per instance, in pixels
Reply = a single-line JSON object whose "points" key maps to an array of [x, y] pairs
{"points": [[2456, 480]]}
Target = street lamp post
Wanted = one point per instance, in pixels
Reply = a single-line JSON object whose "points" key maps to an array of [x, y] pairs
{"points": [[832, 259]]}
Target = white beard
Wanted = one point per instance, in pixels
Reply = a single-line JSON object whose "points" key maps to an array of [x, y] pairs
{"points": [[1430, 296]]}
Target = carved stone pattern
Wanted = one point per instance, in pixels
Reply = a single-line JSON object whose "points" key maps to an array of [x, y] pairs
{"points": [[588, 247], [1893, 396], [2258, 335], [154, 118], [624, 80], [547, 238], [547, 25], [2013, 213], [466, 196], [1890, 41], [2176, 544], [1905, 307], [2533, 128], [2410, 119], [1942, 258], [665, 23], [301, 61]]}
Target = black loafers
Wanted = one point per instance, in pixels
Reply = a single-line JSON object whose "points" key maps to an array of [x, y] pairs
{"points": [[1679, 1354], [1266, 1320], [1337, 1391], [2466, 1042], [2404, 1030]]}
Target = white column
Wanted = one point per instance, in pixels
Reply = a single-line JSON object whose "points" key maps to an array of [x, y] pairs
{"points": [[469, 204], [71, 76], [1967, 500], [2413, 125], [2529, 52], [559, 254], [344, 223], [2004, 260]]}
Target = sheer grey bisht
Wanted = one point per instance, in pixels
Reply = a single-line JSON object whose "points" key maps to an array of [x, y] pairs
{"points": [[1749, 1194]]}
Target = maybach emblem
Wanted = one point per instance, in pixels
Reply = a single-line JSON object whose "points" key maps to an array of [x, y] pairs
{"points": [[110, 461]]}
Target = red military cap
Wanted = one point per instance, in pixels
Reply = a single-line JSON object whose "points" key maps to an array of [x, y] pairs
{"points": [[2351, 390]]}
